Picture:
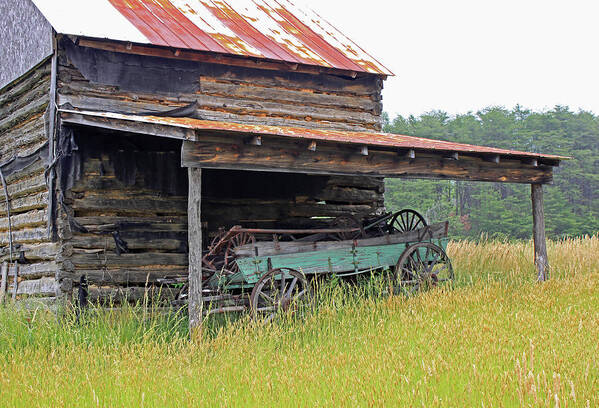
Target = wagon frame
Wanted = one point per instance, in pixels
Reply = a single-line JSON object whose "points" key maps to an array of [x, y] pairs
{"points": [[242, 272]]}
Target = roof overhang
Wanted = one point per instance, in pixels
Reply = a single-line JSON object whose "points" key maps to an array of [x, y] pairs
{"points": [[225, 145]]}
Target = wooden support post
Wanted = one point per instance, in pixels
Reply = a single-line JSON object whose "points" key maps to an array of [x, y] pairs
{"points": [[15, 274], [538, 229], [195, 248], [3, 281]]}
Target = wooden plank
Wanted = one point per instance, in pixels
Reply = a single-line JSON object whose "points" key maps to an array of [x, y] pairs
{"points": [[34, 218], [38, 270], [33, 252], [14, 271], [3, 281], [285, 157], [38, 287], [131, 203], [110, 260], [128, 276], [27, 203], [106, 242], [436, 231], [540, 243], [195, 248]]}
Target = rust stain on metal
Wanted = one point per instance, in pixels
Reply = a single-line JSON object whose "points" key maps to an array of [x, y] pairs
{"points": [[373, 139], [272, 29]]}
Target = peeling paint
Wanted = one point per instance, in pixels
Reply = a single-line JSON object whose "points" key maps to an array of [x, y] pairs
{"points": [[276, 30]]}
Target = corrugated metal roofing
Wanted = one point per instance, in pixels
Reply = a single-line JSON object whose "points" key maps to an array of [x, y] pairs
{"points": [[271, 29], [374, 139]]}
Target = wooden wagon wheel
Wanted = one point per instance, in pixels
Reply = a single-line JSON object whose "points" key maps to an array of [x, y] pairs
{"points": [[281, 289], [406, 220], [349, 222], [422, 265]]}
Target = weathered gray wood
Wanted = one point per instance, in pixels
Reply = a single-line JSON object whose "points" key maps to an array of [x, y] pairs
{"points": [[129, 276], [33, 252], [3, 281], [28, 235], [284, 157], [435, 231], [120, 295], [38, 270], [106, 242], [14, 271], [27, 186], [111, 260], [34, 218], [22, 204], [38, 287], [540, 243], [131, 203], [195, 248]]}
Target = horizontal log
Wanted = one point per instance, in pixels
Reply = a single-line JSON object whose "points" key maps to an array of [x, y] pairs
{"points": [[304, 97], [106, 242], [30, 171], [186, 134], [26, 83], [38, 270], [37, 287], [109, 260], [28, 186], [435, 231], [23, 114], [348, 194], [126, 276], [19, 205], [128, 103], [285, 157], [12, 103], [24, 139], [132, 204], [28, 235], [371, 183], [34, 218], [32, 252], [149, 223]]}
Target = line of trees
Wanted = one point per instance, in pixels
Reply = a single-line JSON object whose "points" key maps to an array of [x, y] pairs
{"points": [[504, 210]]}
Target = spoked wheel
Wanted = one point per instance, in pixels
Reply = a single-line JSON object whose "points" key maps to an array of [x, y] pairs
{"points": [[346, 222], [406, 220], [421, 266], [282, 289]]}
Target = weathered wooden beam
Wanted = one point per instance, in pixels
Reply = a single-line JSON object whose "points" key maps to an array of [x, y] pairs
{"points": [[3, 281], [282, 156], [436, 231], [538, 228], [195, 248]]}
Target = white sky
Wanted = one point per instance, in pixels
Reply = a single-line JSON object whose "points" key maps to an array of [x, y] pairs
{"points": [[463, 55]]}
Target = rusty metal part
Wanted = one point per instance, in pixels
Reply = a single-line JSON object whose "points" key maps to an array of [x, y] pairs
{"points": [[275, 30], [374, 139]]}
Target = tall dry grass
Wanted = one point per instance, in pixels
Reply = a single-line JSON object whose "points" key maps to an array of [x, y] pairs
{"points": [[497, 339]]}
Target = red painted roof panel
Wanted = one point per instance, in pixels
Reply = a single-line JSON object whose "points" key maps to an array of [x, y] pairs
{"points": [[272, 29]]}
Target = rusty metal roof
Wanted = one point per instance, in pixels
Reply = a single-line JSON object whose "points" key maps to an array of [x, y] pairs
{"points": [[371, 139], [275, 30]]}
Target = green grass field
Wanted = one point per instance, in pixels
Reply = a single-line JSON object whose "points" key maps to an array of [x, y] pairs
{"points": [[497, 339]]}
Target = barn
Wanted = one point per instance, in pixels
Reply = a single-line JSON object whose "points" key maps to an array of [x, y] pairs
{"points": [[133, 131]]}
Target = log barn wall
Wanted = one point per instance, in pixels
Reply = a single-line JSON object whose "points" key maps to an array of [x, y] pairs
{"points": [[102, 80], [23, 132], [123, 219], [131, 188]]}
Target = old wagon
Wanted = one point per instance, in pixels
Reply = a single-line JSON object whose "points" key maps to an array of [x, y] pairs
{"points": [[241, 269]]}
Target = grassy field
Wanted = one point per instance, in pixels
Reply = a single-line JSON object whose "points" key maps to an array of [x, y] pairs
{"points": [[497, 339]]}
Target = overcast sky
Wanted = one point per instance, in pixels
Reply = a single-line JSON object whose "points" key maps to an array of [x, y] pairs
{"points": [[463, 55]]}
